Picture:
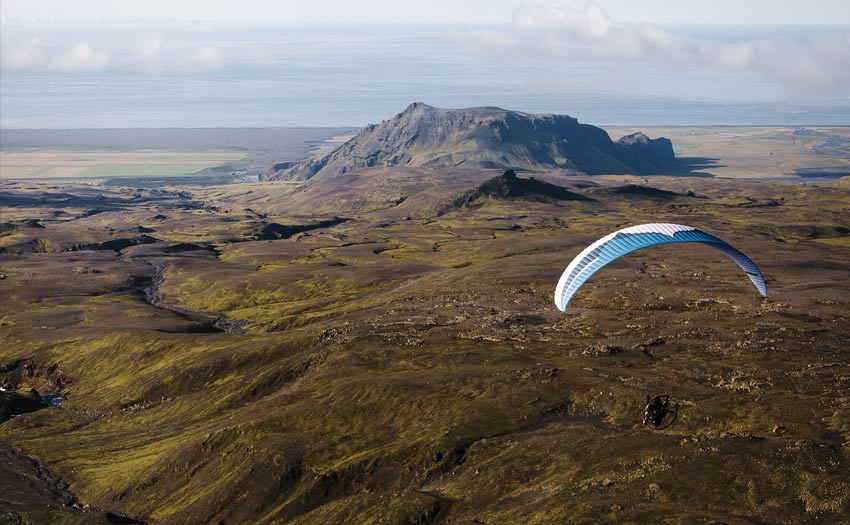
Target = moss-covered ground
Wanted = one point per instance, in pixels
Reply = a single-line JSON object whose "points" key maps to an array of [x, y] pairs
{"points": [[409, 366]]}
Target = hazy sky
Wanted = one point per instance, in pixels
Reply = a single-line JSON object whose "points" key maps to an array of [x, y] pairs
{"points": [[601, 32], [62, 53], [431, 11]]}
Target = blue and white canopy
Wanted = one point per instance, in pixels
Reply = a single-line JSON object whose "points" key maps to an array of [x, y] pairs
{"points": [[627, 240]]}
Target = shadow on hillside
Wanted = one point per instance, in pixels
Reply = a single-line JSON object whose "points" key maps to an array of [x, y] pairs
{"points": [[692, 167]]}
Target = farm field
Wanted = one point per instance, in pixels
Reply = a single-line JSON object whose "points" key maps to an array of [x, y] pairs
{"points": [[147, 158], [50, 164]]}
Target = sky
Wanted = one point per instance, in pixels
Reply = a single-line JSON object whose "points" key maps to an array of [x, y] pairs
{"points": [[413, 12], [603, 32], [63, 54]]}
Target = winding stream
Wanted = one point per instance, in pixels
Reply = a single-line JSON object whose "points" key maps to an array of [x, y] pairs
{"points": [[214, 321]]}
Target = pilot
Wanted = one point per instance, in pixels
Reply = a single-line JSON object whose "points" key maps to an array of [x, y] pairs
{"points": [[655, 410]]}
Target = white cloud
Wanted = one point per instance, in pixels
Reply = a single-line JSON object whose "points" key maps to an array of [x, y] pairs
{"points": [[207, 58], [26, 55], [819, 65], [147, 54], [148, 48], [80, 57]]}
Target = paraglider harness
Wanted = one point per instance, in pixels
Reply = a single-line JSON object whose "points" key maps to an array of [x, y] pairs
{"points": [[659, 412]]}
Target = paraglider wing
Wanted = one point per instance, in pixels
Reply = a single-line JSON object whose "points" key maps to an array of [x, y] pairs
{"points": [[627, 240]]}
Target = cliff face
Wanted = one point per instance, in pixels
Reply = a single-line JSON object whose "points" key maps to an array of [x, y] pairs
{"points": [[424, 136], [644, 154]]}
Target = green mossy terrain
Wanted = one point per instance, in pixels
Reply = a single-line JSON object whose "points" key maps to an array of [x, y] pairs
{"points": [[408, 365]]}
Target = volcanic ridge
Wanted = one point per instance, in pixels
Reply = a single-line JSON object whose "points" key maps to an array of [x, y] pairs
{"points": [[489, 138]]}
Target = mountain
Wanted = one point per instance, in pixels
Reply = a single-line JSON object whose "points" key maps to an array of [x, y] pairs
{"points": [[487, 137]]}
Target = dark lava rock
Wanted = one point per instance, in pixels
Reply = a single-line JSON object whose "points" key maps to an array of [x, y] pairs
{"points": [[600, 349], [32, 223], [273, 231], [636, 190], [524, 320], [12, 226], [116, 244], [282, 166], [17, 403], [185, 247], [508, 185], [646, 347], [120, 519]]}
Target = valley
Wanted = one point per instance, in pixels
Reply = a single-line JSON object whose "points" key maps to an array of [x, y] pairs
{"points": [[381, 346]]}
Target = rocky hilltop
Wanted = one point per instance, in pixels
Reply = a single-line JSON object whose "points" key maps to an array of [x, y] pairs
{"points": [[487, 137], [508, 186]]}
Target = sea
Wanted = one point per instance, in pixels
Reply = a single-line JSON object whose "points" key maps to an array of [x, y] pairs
{"points": [[138, 76]]}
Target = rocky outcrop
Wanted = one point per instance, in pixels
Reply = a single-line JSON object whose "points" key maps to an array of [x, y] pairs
{"points": [[487, 137], [644, 154], [17, 403], [508, 186], [116, 244], [272, 230]]}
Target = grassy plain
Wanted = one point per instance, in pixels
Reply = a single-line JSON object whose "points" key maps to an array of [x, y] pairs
{"points": [[408, 365], [85, 165], [742, 152]]}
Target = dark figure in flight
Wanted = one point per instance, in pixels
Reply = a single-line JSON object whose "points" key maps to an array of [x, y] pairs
{"points": [[656, 410]]}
